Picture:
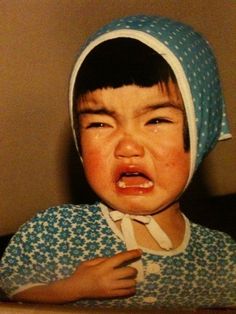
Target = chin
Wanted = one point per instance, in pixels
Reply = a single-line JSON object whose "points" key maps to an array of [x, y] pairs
{"points": [[137, 206]]}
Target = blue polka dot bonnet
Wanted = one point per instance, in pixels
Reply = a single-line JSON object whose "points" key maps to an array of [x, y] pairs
{"points": [[193, 63]]}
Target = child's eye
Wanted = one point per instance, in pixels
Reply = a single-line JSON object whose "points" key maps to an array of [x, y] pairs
{"points": [[158, 121], [97, 125]]}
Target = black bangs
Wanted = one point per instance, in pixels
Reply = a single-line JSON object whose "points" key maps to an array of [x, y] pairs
{"points": [[118, 62]]}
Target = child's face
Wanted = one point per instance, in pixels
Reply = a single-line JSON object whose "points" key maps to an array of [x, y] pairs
{"points": [[132, 146]]}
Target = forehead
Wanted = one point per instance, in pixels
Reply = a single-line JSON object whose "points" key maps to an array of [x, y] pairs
{"points": [[132, 96]]}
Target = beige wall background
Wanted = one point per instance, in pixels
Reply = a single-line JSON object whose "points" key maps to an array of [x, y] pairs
{"points": [[39, 43]]}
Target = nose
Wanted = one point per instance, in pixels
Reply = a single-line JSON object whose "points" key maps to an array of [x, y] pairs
{"points": [[128, 147]]}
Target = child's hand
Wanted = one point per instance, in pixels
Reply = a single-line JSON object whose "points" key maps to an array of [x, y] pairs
{"points": [[106, 277]]}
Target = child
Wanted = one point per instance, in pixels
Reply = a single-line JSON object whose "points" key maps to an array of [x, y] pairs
{"points": [[146, 106]]}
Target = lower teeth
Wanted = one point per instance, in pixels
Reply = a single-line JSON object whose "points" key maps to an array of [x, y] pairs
{"points": [[145, 185]]}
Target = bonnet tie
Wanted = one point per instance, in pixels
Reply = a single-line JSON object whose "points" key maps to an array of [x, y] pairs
{"points": [[128, 233]]}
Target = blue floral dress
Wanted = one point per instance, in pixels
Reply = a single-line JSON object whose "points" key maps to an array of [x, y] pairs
{"points": [[201, 272]]}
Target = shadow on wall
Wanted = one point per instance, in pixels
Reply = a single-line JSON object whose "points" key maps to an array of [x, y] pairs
{"points": [[215, 212]]}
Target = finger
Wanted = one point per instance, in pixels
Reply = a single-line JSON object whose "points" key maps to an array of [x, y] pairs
{"points": [[95, 261], [123, 257], [125, 272], [125, 284]]}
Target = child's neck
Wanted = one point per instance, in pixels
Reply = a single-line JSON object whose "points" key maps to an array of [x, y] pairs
{"points": [[170, 220]]}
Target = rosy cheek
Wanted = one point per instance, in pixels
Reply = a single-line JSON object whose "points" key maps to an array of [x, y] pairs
{"points": [[93, 164], [180, 162], [166, 150], [91, 161], [173, 156]]}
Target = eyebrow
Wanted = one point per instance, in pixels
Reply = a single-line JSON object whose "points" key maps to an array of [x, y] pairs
{"points": [[98, 111], [146, 109], [160, 106]]}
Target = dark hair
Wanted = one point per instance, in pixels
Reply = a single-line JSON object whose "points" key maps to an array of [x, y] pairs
{"points": [[123, 61]]}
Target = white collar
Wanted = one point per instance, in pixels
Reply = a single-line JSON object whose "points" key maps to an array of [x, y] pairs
{"points": [[127, 233]]}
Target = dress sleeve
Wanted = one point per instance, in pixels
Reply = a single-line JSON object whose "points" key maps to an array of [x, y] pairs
{"points": [[29, 258]]}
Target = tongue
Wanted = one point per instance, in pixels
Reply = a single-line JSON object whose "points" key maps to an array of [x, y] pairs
{"points": [[134, 180]]}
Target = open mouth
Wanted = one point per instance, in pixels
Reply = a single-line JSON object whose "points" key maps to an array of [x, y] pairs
{"points": [[134, 180]]}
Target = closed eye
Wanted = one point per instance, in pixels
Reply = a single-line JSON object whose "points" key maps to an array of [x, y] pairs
{"points": [[97, 125], [158, 121]]}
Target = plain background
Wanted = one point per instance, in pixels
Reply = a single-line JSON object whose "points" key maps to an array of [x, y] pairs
{"points": [[40, 40]]}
